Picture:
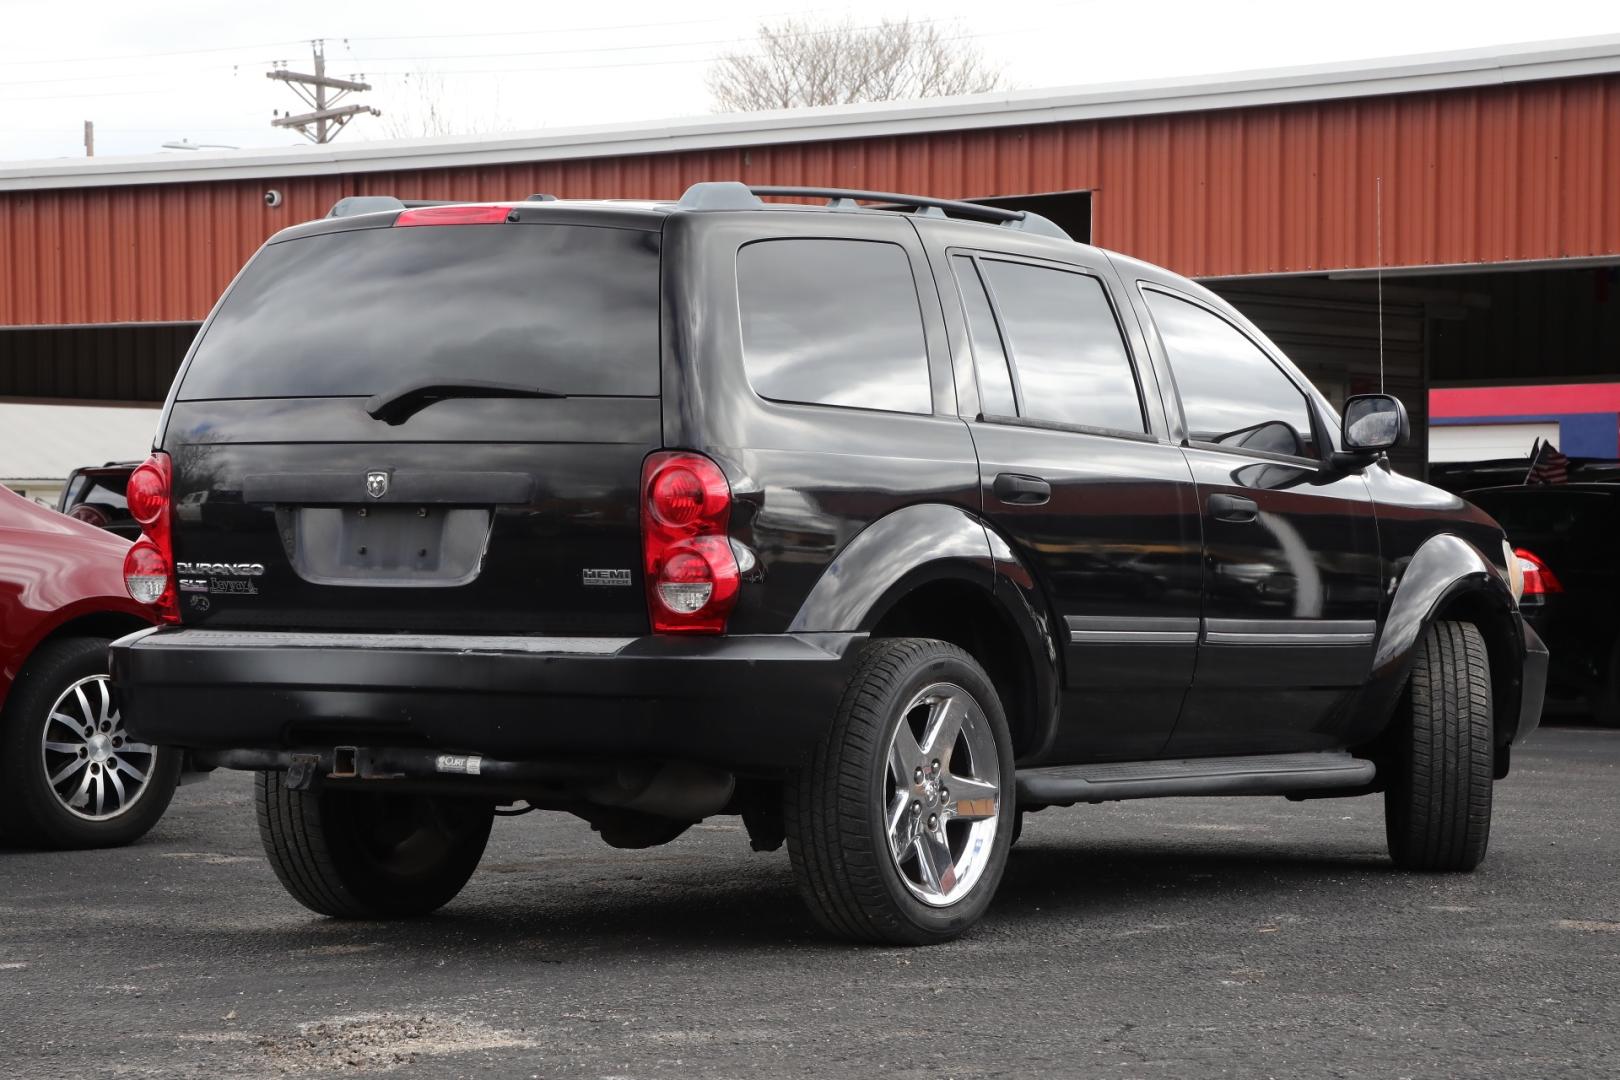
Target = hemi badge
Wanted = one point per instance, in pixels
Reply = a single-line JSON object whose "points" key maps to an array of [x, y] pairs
{"points": [[607, 578]]}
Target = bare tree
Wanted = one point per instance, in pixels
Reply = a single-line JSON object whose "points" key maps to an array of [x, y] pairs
{"points": [[797, 63], [420, 107]]}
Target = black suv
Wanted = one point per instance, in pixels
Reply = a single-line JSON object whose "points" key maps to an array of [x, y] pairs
{"points": [[879, 523]]}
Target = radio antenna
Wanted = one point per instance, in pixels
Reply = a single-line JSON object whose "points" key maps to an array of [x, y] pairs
{"points": [[1378, 226]]}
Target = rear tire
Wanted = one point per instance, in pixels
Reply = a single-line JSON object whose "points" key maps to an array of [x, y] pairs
{"points": [[367, 855], [59, 724], [883, 849], [1437, 807]]}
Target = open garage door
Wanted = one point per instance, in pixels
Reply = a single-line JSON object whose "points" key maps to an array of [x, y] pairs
{"points": [[1486, 442]]}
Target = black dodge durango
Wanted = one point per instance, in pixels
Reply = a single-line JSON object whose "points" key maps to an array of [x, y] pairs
{"points": [[877, 520]]}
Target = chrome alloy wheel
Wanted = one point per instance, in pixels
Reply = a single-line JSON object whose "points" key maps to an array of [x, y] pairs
{"points": [[93, 768], [943, 793]]}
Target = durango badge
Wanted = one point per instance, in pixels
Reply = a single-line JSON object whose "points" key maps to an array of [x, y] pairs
{"points": [[376, 484]]}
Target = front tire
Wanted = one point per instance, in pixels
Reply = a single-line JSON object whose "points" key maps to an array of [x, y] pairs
{"points": [[899, 826], [368, 855], [70, 776], [1437, 807]]}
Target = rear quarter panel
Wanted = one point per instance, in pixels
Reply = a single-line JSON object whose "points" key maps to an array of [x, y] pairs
{"points": [[806, 479]]}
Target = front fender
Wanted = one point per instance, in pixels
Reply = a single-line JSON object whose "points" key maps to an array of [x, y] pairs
{"points": [[1444, 570], [926, 543]]}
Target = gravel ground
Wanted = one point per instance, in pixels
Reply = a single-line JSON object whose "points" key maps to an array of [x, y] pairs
{"points": [[1179, 939]]}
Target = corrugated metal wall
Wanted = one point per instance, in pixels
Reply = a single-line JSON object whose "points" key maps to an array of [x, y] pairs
{"points": [[1518, 172]]}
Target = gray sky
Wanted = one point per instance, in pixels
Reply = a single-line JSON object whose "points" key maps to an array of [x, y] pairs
{"points": [[154, 71]]}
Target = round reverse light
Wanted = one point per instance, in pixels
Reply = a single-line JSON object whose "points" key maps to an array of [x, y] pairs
{"points": [[146, 573], [686, 583]]}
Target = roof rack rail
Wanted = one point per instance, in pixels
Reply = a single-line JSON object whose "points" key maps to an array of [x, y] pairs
{"points": [[731, 195]]}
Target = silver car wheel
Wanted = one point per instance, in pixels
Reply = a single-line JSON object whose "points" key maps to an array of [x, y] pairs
{"points": [[942, 794], [92, 767]]}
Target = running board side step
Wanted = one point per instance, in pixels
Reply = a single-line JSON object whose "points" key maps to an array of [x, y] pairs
{"points": [[1258, 774]]}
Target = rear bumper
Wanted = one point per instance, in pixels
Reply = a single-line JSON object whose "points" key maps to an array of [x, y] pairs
{"points": [[1533, 690], [745, 703]]}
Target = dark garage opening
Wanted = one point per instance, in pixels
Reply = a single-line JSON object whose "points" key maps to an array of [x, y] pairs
{"points": [[1070, 210], [129, 362]]}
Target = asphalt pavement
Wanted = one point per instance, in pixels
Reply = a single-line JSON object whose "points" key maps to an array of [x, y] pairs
{"points": [[1184, 939]]}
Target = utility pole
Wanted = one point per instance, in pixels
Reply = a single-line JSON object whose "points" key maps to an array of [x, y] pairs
{"points": [[89, 138], [325, 122]]}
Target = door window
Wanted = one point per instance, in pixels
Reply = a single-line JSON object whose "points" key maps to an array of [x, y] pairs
{"points": [[833, 322], [1068, 357], [1232, 393]]}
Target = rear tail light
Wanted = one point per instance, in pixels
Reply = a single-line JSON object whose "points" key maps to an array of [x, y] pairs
{"points": [[149, 565], [1539, 581], [691, 570], [454, 215]]}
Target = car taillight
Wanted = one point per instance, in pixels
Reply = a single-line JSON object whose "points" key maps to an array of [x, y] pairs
{"points": [[692, 574], [149, 565], [453, 215], [1538, 579]]}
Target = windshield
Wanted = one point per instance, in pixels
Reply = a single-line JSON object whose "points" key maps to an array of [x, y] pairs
{"points": [[573, 308]]}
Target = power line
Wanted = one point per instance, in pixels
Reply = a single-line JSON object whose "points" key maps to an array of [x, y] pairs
{"points": [[152, 55], [547, 31], [357, 61], [354, 59]]}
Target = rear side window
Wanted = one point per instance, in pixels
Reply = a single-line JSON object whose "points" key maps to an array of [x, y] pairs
{"points": [[1232, 394], [1068, 357], [833, 322], [571, 309], [996, 396]]}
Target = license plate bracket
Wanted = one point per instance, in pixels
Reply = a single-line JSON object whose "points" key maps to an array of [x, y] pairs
{"points": [[385, 546]]}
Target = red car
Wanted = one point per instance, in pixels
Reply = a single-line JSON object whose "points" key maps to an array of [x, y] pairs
{"points": [[69, 775]]}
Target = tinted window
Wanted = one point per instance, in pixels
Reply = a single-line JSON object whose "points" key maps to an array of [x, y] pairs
{"points": [[833, 322], [566, 308], [989, 358], [1070, 360], [1231, 392]]}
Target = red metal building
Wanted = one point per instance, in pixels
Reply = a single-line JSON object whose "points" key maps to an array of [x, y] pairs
{"points": [[1486, 184]]}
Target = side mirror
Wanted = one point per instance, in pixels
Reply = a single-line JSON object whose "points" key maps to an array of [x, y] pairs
{"points": [[1374, 423]]}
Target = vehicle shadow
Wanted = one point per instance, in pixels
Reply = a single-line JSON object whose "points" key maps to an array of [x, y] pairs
{"points": [[737, 907]]}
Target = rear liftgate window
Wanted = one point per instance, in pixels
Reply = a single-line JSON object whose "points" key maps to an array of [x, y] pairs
{"points": [[833, 322], [571, 309]]}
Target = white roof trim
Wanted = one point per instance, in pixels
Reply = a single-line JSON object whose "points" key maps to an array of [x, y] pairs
{"points": [[1402, 75]]}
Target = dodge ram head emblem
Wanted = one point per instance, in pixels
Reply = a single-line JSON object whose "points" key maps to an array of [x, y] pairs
{"points": [[376, 484]]}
